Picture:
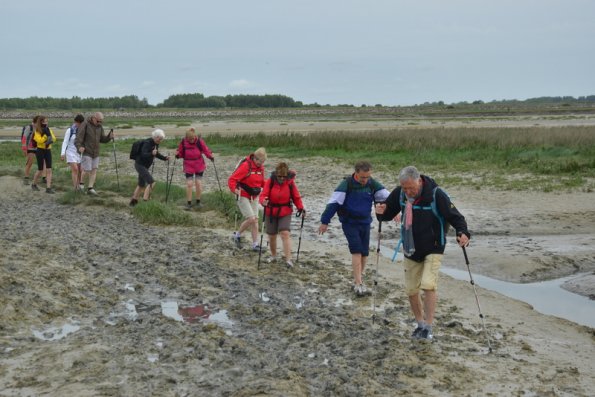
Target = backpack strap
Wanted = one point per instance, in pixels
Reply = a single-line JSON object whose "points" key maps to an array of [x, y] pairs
{"points": [[432, 207]]}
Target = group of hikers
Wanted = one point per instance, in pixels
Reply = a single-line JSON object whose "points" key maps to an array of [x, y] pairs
{"points": [[421, 209]]}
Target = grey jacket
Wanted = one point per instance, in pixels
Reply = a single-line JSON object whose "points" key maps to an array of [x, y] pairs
{"points": [[89, 136]]}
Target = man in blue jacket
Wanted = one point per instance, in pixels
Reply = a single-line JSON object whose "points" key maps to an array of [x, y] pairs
{"points": [[352, 200]]}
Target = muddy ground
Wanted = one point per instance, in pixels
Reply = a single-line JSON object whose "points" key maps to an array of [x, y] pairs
{"points": [[95, 304]]}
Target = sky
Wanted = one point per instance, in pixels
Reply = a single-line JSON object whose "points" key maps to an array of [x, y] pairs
{"points": [[388, 52]]}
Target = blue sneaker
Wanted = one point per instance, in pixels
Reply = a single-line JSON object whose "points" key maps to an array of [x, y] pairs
{"points": [[417, 332], [426, 335]]}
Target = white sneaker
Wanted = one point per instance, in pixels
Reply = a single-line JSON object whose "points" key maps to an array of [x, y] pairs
{"points": [[271, 259], [92, 192], [289, 263], [363, 288]]}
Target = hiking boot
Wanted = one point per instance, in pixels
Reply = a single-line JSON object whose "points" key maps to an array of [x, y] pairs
{"points": [[34, 187], [271, 259], [50, 190], [363, 289], [237, 239], [188, 206], [81, 187], [198, 205], [417, 332], [255, 247], [289, 264], [91, 192], [357, 288], [133, 202], [426, 335], [26, 181]]}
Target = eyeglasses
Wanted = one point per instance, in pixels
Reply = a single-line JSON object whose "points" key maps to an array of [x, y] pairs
{"points": [[99, 121]]}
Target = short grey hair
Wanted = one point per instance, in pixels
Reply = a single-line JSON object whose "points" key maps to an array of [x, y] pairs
{"points": [[363, 165], [409, 172], [158, 133], [98, 116]]}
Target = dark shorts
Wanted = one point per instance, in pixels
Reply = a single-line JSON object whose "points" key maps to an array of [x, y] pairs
{"points": [[275, 225], [43, 156], [198, 175], [144, 176], [358, 237], [31, 151]]}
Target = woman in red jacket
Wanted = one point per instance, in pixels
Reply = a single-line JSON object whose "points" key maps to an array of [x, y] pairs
{"points": [[279, 193], [246, 182], [191, 149]]}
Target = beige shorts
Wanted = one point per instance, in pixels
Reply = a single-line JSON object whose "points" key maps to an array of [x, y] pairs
{"points": [[248, 208], [422, 275], [89, 163]]}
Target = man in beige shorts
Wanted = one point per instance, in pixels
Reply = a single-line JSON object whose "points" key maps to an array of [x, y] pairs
{"points": [[424, 212]]}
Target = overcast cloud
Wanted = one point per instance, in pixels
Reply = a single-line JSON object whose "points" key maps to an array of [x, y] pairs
{"points": [[331, 52]]}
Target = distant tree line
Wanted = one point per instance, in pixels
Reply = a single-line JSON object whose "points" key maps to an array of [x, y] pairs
{"points": [[198, 100], [128, 102]]}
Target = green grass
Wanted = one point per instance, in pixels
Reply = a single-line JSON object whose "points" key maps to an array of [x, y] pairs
{"points": [[530, 158]]}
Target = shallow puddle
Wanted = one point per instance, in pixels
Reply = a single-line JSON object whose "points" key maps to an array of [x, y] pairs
{"points": [[56, 333]]}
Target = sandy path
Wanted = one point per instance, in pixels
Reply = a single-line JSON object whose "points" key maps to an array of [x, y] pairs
{"points": [[99, 273]]}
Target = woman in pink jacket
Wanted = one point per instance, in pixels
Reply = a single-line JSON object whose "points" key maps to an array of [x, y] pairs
{"points": [[191, 149]]}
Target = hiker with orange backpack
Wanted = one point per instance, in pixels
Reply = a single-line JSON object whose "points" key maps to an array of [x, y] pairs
{"points": [[279, 192], [191, 149], [246, 182]]}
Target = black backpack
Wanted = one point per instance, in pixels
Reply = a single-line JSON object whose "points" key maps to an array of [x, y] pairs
{"points": [[136, 149]]}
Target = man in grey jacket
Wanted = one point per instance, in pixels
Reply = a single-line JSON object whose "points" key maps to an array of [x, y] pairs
{"points": [[90, 134]]}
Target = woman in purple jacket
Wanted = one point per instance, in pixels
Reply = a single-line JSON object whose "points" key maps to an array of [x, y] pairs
{"points": [[191, 149]]}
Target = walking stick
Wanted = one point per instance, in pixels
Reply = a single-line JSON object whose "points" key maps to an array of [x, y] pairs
{"points": [[115, 158], [376, 275], [477, 300], [264, 211], [297, 259]]}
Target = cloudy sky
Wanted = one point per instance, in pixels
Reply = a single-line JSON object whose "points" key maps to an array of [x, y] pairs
{"points": [[388, 52]]}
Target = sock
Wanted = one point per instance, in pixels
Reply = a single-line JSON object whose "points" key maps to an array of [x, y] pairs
{"points": [[429, 327], [421, 324], [189, 202]]}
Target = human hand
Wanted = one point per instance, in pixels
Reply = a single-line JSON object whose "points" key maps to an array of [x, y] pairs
{"points": [[265, 202], [463, 240], [62, 157], [301, 213], [322, 228], [380, 208], [397, 218], [154, 152], [81, 150]]}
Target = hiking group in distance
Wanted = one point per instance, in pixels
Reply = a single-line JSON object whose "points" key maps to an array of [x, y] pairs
{"points": [[422, 209]]}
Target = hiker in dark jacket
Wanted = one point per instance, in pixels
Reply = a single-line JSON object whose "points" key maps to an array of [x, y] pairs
{"points": [[279, 195], [352, 200], [88, 137], [142, 163], [413, 205]]}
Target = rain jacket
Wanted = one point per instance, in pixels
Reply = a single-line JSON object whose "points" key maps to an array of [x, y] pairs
{"points": [[248, 176], [281, 195], [89, 136], [353, 201], [146, 153], [192, 152], [426, 226], [40, 139]]}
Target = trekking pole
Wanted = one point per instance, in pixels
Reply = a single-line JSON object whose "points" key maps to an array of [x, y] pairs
{"points": [[264, 211], [297, 259], [477, 300], [376, 275], [115, 158], [167, 182]]}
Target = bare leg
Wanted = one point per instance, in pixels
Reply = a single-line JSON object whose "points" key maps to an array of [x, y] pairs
{"points": [[273, 244], [189, 190], [356, 265], [429, 305], [285, 238], [48, 178], [148, 190], [416, 307], [198, 186], [92, 177]]}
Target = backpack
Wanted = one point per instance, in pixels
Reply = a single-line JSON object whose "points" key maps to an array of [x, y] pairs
{"points": [[135, 151], [73, 131], [198, 145], [350, 187], [433, 207], [26, 137], [252, 191]]}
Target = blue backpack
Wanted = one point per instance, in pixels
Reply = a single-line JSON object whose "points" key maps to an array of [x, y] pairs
{"points": [[432, 207]]}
